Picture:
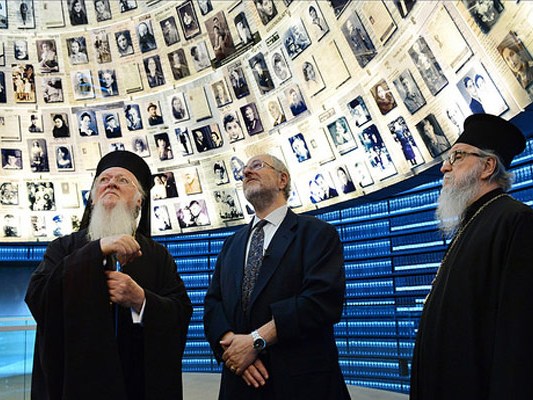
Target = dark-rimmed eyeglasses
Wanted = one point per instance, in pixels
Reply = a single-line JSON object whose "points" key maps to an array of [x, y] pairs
{"points": [[458, 155], [256, 165]]}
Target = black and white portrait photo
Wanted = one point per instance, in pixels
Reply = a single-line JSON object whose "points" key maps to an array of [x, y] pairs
{"points": [[251, 119], [184, 141], [221, 93], [154, 71], [82, 84], [359, 111], [178, 107], [296, 39], [124, 43], [433, 136], [299, 147], [11, 159], [376, 152], [427, 65], [64, 159], [261, 73], [77, 50], [38, 154], [77, 12], [485, 12], [220, 173], [220, 36], [133, 117], [409, 92], [47, 55], [52, 90], [161, 218], [244, 31], [200, 56], [20, 49], [358, 39], [102, 9], [127, 5], [111, 124], [238, 81], [101, 46], [316, 24], [280, 67], [23, 76], [87, 124], [517, 58], [41, 196], [266, 9], [108, 82], [188, 19], [25, 14], [139, 145], [9, 193], [192, 214], [145, 35], [341, 135], [178, 64], [169, 30]]}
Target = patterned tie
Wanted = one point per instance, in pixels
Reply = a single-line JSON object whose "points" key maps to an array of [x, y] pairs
{"points": [[253, 263]]}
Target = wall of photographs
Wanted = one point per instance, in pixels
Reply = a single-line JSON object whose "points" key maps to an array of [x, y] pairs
{"points": [[354, 96]]}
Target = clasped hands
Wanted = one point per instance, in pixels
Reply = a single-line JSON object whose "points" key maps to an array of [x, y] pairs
{"points": [[241, 358], [122, 288]]}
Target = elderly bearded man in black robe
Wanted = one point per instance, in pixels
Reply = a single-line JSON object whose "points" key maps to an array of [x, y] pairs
{"points": [[104, 333], [474, 338]]}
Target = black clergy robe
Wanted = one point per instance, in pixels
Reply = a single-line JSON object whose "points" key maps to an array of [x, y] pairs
{"points": [[475, 337], [77, 355]]}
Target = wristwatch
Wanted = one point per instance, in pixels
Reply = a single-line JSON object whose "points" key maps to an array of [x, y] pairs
{"points": [[259, 343]]}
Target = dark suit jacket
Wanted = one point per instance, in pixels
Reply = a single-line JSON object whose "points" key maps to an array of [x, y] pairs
{"points": [[301, 285]]}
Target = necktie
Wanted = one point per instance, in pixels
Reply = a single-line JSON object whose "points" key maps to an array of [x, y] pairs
{"points": [[253, 262]]}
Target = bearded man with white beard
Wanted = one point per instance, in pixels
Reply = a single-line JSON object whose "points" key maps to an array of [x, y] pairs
{"points": [[474, 337], [112, 313]]}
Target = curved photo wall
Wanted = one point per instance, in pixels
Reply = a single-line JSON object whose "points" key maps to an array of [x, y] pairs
{"points": [[353, 96]]}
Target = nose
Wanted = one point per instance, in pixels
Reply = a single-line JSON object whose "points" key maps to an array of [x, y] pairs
{"points": [[445, 167]]}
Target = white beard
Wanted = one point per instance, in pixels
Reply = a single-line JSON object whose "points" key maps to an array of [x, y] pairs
{"points": [[455, 198], [119, 220]]}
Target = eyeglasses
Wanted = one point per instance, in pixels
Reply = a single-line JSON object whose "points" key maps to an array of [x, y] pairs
{"points": [[458, 155], [120, 180], [256, 165]]}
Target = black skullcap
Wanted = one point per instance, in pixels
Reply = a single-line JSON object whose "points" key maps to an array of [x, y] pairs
{"points": [[489, 132], [138, 167]]}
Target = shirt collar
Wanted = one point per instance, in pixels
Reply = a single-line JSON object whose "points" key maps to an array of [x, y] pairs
{"points": [[275, 217]]}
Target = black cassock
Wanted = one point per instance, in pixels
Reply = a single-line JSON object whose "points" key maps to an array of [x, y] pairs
{"points": [[475, 335], [77, 353]]}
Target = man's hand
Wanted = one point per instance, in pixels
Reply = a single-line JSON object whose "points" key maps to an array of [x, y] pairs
{"points": [[256, 374], [239, 352], [125, 247], [124, 290]]}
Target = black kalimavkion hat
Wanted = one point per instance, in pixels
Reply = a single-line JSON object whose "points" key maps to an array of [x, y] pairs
{"points": [[489, 132], [138, 167]]}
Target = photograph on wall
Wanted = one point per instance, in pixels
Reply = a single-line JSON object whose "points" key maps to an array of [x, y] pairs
{"points": [[220, 173], [154, 115], [404, 139], [359, 111], [251, 118], [228, 205], [2, 53], [267, 10], [77, 50], [145, 36], [279, 66], [124, 43], [133, 117], [25, 14], [383, 97], [315, 21], [127, 5], [409, 91], [456, 117], [169, 29], [275, 111], [262, 75], [244, 32], [221, 92], [64, 157], [178, 64], [220, 36], [3, 14], [58, 224], [184, 141], [485, 12], [164, 149], [67, 195], [191, 181], [87, 125], [34, 123], [9, 193], [102, 10], [294, 198], [60, 125], [237, 168], [311, 77], [379, 20], [20, 49], [343, 179], [188, 20], [299, 147], [341, 135], [164, 186], [192, 213], [205, 6], [377, 154], [38, 225], [10, 225], [108, 82], [362, 174], [111, 122], [517, 58], [3, 89], [295, 99], [139, 146], [338, 6], [232, 126], [52, 89], [358, 39], [23, 77], [200, 56], [207, 137], [480, 92], [51, 13], [321, 187], [161, 218], [178, 107], [77, 12], [238, 80], [154, 71], [82, 83], [433, 136], [11, 159], [295, 39], [427, 65], [404, 6], [450, 42], [41, 196]]}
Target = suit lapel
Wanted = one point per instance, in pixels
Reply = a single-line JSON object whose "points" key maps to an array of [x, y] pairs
{"points": [[274, 254]]}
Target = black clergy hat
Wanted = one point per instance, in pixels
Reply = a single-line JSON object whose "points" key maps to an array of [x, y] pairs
{"points": [[138, 167], [489, 132]]}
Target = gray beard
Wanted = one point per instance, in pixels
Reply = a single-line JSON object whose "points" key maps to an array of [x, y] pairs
{"points": [[260, 198], [120, 220], [454, 200]]}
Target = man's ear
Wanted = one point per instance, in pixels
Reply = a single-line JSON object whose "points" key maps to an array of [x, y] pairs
{"points": [[489, 167]]}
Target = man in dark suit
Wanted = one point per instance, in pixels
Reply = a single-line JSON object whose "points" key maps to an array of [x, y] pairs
{"points": [[270, 318]]}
